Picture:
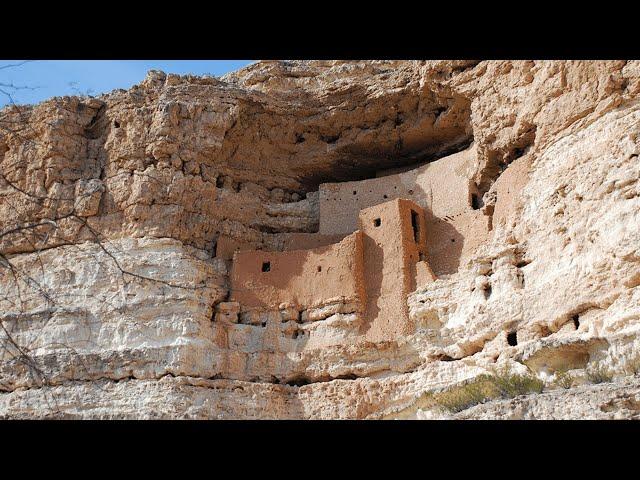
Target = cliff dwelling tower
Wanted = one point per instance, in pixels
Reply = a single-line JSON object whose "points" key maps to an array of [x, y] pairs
{"points": [[395, 253]]}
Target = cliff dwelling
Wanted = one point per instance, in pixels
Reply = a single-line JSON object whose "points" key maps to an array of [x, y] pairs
{"points": [[326, 239], [378, 240]]}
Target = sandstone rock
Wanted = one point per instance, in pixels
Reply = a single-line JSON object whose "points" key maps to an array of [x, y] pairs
{"points": [[121, 216]]}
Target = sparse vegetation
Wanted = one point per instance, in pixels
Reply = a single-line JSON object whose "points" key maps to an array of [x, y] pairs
{"points": [[598, 373], [511, 385], [564, 379], [460, 398], [500, 384]]}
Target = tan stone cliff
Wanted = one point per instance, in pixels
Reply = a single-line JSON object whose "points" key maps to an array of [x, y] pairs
{"points": [[125, 221]]}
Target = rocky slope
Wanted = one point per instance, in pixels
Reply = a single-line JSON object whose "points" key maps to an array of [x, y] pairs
{"points": [[111, 290]]}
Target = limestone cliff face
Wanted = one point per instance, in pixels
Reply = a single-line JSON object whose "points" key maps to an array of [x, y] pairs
{"points": [[114, 290]]}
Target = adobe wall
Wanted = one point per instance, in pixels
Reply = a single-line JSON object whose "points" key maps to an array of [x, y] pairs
{"points": [[452, 239], [303, 241], [390, 257], [443, 186], [306, 278]]}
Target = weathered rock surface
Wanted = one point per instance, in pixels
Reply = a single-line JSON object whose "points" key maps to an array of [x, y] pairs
{"points": [[114, 305]]}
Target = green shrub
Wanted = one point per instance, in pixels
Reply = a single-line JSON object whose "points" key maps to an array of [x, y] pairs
{"points": [[598, 373]]}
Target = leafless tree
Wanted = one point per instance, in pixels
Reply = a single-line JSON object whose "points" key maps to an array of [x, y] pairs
{"points": [[23, 284], [9, 89]]}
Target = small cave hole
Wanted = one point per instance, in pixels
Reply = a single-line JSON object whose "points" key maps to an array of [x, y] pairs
{"points": [[264, 324], [319, 268], [517, 152], [453, 240], [475, 201], [266, 266], [355, 192], [299, 138], [512, 339], [385, 196], [377, 222], [410, 192], [116, 124], [576, 321]]}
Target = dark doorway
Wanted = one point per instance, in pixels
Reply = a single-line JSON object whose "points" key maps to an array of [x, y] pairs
{"points": [[415, 223]]}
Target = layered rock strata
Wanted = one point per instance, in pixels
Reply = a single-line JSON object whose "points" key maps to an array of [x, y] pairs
{"points": [[121, 215]]}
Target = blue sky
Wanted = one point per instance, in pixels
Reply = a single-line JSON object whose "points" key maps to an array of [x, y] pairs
{"points": [[50, 78]]}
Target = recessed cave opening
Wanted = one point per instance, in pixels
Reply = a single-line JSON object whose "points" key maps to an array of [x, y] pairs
{"points": [[266, 266], [512, 338], [445, 358], [116, 124], [377, 222], [360, 162], [298, 382], [576, 321]]}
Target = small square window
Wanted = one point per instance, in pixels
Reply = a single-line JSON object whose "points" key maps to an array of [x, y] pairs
{"points": [[266, 266], [377, 222]]}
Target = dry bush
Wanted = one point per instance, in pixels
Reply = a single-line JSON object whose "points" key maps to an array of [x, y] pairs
{"points": [[632, 366], [564, 379], [598, 373], [500, 384]]}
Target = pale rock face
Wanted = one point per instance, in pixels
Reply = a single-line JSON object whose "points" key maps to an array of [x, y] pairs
{"points": [[114, 304]]}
